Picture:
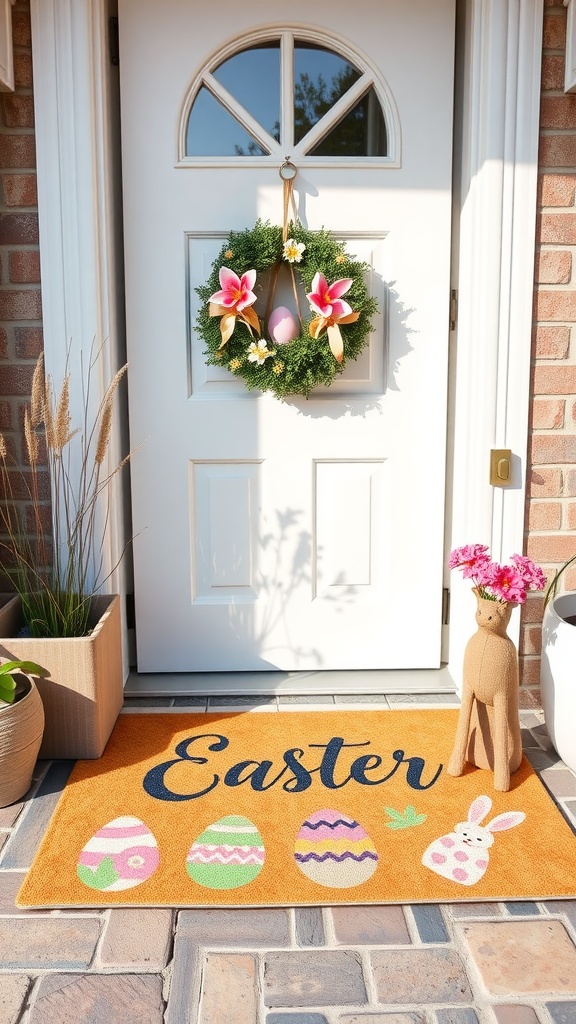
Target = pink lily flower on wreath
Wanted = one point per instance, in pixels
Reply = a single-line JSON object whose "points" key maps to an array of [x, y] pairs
{"points": [[234, 300], [326, 300]]}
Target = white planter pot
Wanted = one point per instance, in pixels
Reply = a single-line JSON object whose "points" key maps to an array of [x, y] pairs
{"points": [[558, 676]]}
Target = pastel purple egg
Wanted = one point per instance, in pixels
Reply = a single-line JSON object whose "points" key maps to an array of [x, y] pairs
{"points": [[334, 850], [282, 326]]}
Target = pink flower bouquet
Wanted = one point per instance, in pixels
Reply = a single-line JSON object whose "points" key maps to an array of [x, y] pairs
{"points": [[506, 583]]}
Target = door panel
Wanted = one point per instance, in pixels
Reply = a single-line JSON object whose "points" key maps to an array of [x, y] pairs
{"points": [[305, 534]]}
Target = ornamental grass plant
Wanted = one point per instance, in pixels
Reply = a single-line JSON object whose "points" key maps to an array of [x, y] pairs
{"points": [[57, 566]]}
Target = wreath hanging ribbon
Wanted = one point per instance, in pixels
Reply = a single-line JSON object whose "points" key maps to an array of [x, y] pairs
{"points": [[299, 354]]}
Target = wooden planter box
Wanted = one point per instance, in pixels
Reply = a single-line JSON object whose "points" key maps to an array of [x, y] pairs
{"points": [[83, 690]]}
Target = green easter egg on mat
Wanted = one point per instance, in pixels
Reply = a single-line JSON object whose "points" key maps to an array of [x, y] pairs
{"points": [[227, 855]]}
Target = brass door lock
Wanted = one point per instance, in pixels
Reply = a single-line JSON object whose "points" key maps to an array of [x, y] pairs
{"points": [[501, 467]]}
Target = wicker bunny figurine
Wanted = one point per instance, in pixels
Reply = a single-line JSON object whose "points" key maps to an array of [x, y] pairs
{"points": [[462, 855], [488, 731]]}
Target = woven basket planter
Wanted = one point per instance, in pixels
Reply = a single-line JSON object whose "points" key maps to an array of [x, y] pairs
{"points": [[83, 689], [21, 728]]}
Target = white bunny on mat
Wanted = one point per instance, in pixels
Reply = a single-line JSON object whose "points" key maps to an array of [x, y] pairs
{"points": [[462, 855]]}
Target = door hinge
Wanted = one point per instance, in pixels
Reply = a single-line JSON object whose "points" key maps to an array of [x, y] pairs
{"points": [[445, 606], [113, 42], [453, 308]]}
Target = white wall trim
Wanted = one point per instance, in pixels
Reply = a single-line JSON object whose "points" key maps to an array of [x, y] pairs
{"points": [[6, 51], [501, 86], [79, 249], [570, 62], [503, 42]]}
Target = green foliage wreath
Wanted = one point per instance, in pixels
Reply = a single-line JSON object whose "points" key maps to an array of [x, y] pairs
{"points": [[305, 362]]}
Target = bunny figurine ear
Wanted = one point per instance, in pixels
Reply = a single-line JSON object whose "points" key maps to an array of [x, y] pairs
{"points": [[479, 809], [505, 821]]}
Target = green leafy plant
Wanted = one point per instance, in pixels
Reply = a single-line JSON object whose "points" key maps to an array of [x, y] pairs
{"points": [[8, 670], [56, 567], [552, 588]]}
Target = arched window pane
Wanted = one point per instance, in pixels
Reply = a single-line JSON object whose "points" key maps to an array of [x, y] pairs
{"points": [[321, 77], [253, 78], [213, 131], [362, 132]]}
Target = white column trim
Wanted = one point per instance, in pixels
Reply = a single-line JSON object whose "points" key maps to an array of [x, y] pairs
{"points": [[503, 43], [79, 249]]}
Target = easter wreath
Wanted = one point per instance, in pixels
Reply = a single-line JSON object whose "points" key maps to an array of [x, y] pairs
{"points": [[275, 351]]}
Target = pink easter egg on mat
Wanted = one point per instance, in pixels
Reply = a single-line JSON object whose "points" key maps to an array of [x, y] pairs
{"points": [[282, 326], [122, 854]]}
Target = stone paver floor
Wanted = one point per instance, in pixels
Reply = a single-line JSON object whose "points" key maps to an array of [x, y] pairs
{"points": [[484, 963]]}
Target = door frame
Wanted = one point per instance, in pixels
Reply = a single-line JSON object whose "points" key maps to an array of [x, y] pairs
{"points": [[498, 53]]}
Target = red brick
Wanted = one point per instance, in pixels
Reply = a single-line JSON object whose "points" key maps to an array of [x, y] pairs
{"points": [[558, 111], [18, 110], [570, 579], [25, 267], [552, 342], [31, 514], [21, 30], [556, 189], [19, 229], [560, 305], [531, 640], [555, 380], [557, 228], [551, 550], [553, 266], [20, 190], [545, 515], [554, 34], [571, 519], [3, 343], [23, 70], [533, 608], [553, 449], [546, 483], [16, 380], [552, 71], [570, 483], [18, 151], [557, 151], [28, 342], [21, 305], [548, 414], [5, 416]]}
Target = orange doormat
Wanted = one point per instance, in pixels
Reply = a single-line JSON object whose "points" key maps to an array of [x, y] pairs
{"points": [[297, 808]]}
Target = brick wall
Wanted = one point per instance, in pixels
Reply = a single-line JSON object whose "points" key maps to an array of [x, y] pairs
{"points": [[551, 500], [20, 301]]}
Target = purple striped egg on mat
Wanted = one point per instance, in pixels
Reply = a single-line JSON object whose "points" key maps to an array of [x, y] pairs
{"points": [[119, 856], [334, 850]]}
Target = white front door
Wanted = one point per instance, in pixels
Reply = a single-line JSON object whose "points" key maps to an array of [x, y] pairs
{"points": [[305, 534]]}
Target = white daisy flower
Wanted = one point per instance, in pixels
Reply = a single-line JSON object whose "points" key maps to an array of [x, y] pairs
{"points": [[258, 352], [293, 250]]}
